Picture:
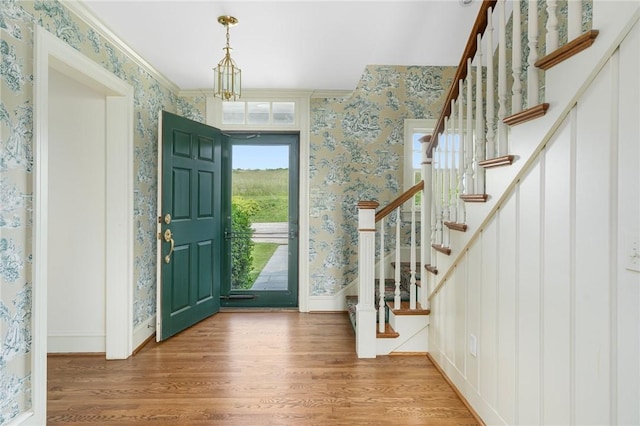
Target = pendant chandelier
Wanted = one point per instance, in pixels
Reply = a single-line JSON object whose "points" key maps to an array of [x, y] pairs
{"points": [[227, 82]]}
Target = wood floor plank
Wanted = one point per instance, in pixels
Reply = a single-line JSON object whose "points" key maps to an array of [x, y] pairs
{"points": [[267, 368]]}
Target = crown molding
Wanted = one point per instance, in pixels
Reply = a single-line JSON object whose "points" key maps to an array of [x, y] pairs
{"points": [[192, 93], [254, 94], [324, 94], [81, 11]]}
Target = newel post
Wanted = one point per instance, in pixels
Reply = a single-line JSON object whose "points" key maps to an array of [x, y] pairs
{"points": [[365, 310]]}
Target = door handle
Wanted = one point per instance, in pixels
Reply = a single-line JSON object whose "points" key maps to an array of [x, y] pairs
{"points": [[168, 237]]}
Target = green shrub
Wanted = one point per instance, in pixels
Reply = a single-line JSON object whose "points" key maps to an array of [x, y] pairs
{"points": [[242, 210]]}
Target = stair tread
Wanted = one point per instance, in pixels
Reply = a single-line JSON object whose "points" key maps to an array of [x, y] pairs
{"points": [[442, 249], [404, 309], [456, 226], [432, 269], [389, 332]]}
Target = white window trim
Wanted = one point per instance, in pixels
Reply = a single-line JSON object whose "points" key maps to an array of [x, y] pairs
{"points": [[412, 126]]}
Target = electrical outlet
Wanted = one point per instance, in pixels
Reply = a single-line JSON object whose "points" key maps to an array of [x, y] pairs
{"points": [[633, 254], [473, 345]]}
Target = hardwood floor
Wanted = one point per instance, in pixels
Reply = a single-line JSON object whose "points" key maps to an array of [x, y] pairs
{"points": [[268, 368]]}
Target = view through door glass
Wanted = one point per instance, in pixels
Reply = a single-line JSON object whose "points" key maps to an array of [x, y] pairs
{"points": [[263, 243]]}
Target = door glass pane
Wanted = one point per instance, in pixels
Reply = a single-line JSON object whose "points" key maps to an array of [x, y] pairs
{"points": [[260, 217]]}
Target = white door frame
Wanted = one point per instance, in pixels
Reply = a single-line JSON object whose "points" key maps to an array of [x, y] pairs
{"points": [[50, 52]]}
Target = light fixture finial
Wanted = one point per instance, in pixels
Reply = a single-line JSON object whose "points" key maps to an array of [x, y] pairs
{"points": [[227, 76]]}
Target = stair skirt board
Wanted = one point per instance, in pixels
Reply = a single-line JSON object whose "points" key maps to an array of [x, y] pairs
{"points": [[414, 336]]}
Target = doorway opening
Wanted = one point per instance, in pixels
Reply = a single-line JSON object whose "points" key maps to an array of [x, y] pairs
{"points": [[262, 211]]}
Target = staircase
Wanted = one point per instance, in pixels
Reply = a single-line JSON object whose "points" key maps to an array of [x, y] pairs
{"points": [[412, 322], [470, 163]]}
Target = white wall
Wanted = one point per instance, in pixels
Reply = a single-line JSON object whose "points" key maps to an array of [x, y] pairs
{"points": [[76, 275], [544, 286]]}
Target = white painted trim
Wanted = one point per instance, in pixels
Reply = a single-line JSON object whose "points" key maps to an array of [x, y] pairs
{"points": [[303, 204], [51, 52], [73, 342], [81, 11], [329, 94], [21, 419], [143, 331], [412, 125], [158, 316]]}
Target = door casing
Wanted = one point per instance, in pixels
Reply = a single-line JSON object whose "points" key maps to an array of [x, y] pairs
{"points": [[268, 299], [54, 53]]}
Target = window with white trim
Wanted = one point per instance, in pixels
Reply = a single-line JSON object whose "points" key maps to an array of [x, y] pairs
{"points": [[259, 113], [414, 129]]}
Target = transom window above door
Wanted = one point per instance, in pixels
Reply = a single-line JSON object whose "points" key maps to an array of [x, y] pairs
{"points": [[259, 113]]}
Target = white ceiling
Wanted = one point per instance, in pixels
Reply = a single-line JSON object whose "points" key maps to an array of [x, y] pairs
{"points": [[294, 44]]}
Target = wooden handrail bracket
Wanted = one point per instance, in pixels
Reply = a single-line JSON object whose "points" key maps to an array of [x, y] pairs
{"points": [[526, 115], [402, 198], [575, 46]]}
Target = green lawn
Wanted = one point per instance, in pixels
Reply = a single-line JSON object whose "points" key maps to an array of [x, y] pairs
{"points": [[269, 188], [262, 252]]}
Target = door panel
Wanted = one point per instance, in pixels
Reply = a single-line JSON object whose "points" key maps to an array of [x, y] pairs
{"points": [[190, 243]]}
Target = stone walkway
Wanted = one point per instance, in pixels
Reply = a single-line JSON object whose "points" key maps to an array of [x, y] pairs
{"points": [[274, 276]]}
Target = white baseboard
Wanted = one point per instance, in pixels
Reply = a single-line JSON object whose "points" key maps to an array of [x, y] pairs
{"points": [[76, 342], [142, 332], [327, 303]]}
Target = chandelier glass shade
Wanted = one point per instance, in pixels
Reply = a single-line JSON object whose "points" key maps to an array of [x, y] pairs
{"points": [[227, 83]]}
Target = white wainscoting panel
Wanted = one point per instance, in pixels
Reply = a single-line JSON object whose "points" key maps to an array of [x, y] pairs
{"points": [[543, 287]]}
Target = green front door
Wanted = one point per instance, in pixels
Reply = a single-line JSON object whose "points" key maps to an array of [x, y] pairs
{"points": [[260, 205], [190, 226]]}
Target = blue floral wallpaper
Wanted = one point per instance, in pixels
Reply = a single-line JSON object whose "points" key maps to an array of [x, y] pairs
{"points": [[18, 20], [356, 153]]}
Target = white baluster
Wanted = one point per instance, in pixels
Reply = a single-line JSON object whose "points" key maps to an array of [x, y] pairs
{"points": [[516, 61], [412, 267], [438, 192], [453, 204], [552, 26], [470, 178], [502, 80], [446, 179], [479, 154], [490, 139], [425, 222], [574, 20], [461, 217], [434, 206], [381, 281], [396, 299], [533, 75]]}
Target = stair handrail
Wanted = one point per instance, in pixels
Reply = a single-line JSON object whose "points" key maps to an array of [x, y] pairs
{"points": [[400, 200], [461, 72]]}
